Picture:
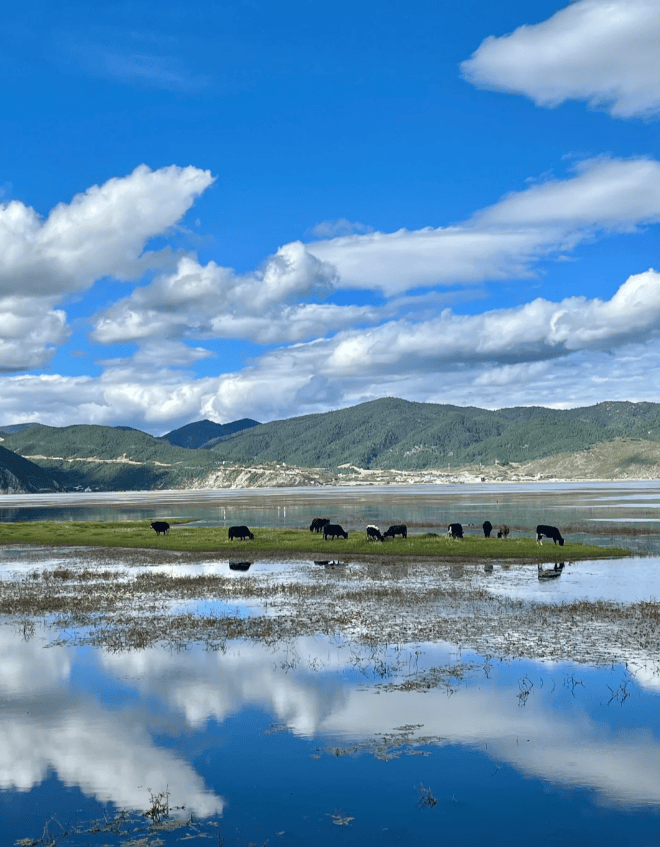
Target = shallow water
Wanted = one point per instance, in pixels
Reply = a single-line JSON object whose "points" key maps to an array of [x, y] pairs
{"points": [[325, 740], [280, 744], [602, 509]]}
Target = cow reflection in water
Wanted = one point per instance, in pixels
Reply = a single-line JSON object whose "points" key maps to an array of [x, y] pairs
{"points": [[551, 573], [239, 566], [327, 563]]}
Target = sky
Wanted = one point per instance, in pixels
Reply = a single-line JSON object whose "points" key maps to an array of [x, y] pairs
{"points": [[265, 210]]}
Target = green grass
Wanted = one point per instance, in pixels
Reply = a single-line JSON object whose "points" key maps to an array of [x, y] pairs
{"points": [[288, 542]]}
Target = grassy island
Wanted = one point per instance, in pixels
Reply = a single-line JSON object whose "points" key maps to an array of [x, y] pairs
{"points": [[287, 543]]}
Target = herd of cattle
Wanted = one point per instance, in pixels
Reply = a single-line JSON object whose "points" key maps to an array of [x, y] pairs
{"points": [[333, 530]]}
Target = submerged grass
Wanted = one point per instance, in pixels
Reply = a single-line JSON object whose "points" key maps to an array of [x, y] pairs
{"points": [[184, 537], [364, 603]]}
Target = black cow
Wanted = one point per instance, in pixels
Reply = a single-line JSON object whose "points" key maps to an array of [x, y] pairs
{"points": [[160, 526], [239, 566], [318, 523], [455, 530], [333, 530], [488, 528], [373, 533], [241, 532], [397, 529], [548, 532]]}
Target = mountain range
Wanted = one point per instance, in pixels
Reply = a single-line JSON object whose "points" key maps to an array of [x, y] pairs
{"points": [[382, 435]]}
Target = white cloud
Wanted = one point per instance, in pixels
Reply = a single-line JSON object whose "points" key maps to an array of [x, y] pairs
{"points": [[342, 226], [30, 332], [501, 241], [133, 58], [213, 302], [568, 353], [505, 240], [101, 232], [601, 51]]}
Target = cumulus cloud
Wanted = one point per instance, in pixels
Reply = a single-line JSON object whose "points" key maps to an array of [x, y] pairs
{"points": [[101, 232], [272, 305], [267, 306], [505, 240], [30, 332], [566, 353], [601, 51]]}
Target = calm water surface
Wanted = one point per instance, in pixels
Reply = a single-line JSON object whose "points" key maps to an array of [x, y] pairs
{"points": [[318, 740]]}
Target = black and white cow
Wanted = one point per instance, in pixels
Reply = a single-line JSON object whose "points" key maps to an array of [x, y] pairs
{"points": [[549, 532], [318, 523], [373, 533], [488, 528], [333, 530], [455, 530], [241, 532], [160, 526], [398, 529]]}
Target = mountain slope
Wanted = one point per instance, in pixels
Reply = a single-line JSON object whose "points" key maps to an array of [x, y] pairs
{"points": [[383, 434], [398, 434], [111, 458], [18, 475], [205, 433]]}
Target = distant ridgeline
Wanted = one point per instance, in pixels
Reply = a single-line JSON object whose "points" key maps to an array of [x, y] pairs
{"points": [[384, 434]]}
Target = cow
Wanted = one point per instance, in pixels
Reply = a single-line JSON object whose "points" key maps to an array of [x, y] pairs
{"points": [[398, 529], [548, 532], [160, 526], [318, 523], [373, 533], [333, 530], [455, 530], [239, 566], [488, 528], [241, 532]]}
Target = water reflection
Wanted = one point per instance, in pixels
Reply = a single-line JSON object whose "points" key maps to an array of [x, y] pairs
{"points": [[50, 721], [91, 716]]}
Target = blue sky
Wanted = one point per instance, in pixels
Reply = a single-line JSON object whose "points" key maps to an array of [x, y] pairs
{"points": [[266, 210]]}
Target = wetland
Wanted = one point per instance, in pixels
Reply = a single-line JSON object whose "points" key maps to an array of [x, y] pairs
{"points": [[153, 694]]}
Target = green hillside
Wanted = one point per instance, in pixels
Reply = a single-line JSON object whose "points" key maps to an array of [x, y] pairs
{"points": [[383, 434], [205, 433], [18, 475], [112, 458], [398, 434]]}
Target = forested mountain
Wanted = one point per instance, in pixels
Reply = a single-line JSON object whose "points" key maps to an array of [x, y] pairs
{"points": [[112, 458], [383, 434], [204, 434], [18, 475], [392, 433]]}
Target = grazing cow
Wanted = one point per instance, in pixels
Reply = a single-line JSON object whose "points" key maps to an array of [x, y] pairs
{"points": [[333, 530], [488, 528], [398, 529], [455, 530], [160, 526], [318, 523], [241, 532], [548, 532], [239, 566], [373, 533]]}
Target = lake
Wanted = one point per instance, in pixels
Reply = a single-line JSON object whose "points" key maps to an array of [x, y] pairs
{"points": [[448, 702]]}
